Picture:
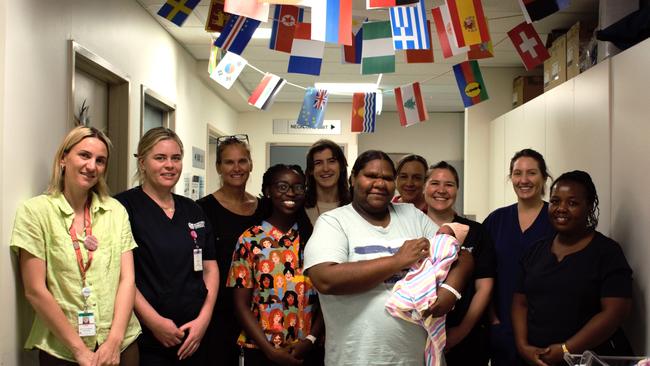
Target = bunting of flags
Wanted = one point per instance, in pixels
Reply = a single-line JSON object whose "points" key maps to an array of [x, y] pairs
{"points": [[470, 83], [248, 8], [421, 56], [377, 53], [306, 54], [177, 11], [364, 108], [410, 105], [468, 20], [285, 18], [445, 30], [264, 94], [312, 112], [236, 34], [461, 27], [332, 21], [528, 45], [409, 27], [228, 69], [217, 17]]}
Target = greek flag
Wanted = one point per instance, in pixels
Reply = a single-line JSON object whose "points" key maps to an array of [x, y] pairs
{"points": [[409, 27]]}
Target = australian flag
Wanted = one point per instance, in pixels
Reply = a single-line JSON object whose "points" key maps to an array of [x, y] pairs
{"points": [[312, 112]]}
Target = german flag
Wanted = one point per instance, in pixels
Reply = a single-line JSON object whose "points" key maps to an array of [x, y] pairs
{"points": [[470, 83]]}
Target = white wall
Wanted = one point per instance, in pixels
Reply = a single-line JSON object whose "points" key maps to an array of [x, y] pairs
{"points": [[630, 179], [439, 138], [569, 125], [259, 127], [477, 132], [35, 116]]}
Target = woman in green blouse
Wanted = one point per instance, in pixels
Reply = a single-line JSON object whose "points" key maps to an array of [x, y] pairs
{"points": [[74, 245]]}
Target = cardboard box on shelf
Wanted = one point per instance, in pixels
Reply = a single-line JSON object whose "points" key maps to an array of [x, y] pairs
{"points": [[555, 66], [525, 88], [577, 39]]}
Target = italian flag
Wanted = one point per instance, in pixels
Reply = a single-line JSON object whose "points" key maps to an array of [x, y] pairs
{"points": [[410, 105]]}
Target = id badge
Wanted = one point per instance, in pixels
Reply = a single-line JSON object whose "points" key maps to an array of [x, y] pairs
{"points": [[198, 259], [86, 320]]}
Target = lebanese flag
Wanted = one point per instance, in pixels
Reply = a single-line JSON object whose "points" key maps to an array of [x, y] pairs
{"points": [[528, 44], [264, 94], [445, 30], [285, 18], [410, 105], [331, 21], [421, 56], [375, 4]]}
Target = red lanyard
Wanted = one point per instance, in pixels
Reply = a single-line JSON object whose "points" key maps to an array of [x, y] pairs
{"points": [[75, 243]]}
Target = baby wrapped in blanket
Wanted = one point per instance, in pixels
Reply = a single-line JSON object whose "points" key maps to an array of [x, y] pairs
{"points": [[414, 294]]}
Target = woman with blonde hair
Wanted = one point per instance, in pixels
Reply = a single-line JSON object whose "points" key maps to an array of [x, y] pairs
{"points": [[176, 272], [75, 252]]}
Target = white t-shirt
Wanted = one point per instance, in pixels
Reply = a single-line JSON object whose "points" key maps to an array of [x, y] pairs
{"points": [[359, 329]]}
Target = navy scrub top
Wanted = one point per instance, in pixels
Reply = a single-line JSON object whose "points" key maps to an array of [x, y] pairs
{"points": [[164, 259], [510, 245]]}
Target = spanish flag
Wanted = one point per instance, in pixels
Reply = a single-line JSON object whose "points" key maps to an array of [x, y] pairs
{"points": [[469, 23], [470, 83]]}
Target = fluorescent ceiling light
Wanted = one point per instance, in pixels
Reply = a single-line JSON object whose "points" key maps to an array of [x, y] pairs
{"points": [[260, 33], [347, 88]]}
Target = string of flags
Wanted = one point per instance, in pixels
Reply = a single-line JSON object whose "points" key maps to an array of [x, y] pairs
{"points": [[461, 27]]}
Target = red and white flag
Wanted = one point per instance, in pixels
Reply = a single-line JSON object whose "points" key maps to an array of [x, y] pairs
{"points": [[263, 96], [410, 105], [446, 33], [528, 44]]}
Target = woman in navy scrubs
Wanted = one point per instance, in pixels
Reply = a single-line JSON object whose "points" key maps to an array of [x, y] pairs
{"points": [[230, 210], [514, 229], [176, 273], [573, 289]]}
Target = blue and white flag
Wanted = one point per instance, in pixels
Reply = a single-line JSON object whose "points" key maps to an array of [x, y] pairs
{"points": [[236, 34], [306, 54], [312, 112], [409, 27]]}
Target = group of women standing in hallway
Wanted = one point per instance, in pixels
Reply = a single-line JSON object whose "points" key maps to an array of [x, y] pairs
{"points": [[197, 265]]}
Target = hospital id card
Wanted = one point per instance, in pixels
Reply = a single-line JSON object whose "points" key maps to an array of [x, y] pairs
{"points": [[86, 321], [198, 259]]}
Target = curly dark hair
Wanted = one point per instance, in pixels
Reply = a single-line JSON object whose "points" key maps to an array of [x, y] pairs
{"points": [[305, 227], [341, 184], [584, 179]]}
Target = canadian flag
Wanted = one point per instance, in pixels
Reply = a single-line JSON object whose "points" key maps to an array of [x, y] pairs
{"points": [[528, 44]]}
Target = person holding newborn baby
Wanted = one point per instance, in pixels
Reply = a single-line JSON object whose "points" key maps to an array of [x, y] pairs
{"points": [[355, 256]]}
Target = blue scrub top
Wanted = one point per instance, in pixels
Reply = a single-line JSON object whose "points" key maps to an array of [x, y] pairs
{"points": [[510, 244]]}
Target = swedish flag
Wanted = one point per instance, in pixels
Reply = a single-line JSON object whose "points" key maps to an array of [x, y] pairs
{"points": [[177, 11]]}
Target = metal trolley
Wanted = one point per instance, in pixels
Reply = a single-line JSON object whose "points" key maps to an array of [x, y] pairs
{"points": [[589, 358]]}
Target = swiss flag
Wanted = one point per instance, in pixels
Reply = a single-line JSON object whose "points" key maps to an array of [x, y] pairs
{"points": [[528, 44]]}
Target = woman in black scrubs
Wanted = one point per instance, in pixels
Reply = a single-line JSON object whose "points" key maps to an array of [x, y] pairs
{"points": [[575, 288], [176, 273], [230, 210]]}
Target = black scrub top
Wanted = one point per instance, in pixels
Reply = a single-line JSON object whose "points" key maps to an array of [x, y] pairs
{"points": [[563, 296], [164, 259], [478, 240]]}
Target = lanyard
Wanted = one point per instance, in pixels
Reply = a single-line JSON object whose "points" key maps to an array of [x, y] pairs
{"points": [[75, 243]]}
